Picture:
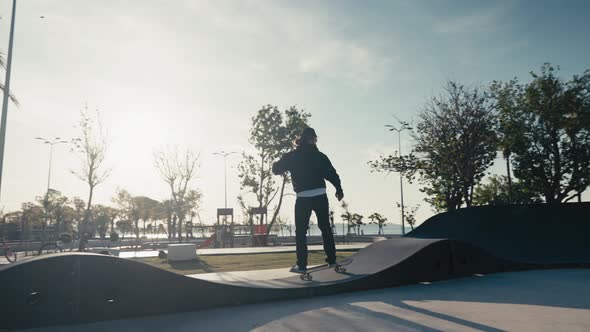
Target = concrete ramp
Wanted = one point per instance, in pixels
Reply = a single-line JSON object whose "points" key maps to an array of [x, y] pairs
{"points": [[77, 287], [541, 233]]}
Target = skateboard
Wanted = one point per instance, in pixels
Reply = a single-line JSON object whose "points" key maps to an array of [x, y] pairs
{"points": [[338, 268]]}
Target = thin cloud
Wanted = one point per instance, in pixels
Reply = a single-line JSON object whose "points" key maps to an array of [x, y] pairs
{"points": [[483, 20], [292, 39], [339, 59]]}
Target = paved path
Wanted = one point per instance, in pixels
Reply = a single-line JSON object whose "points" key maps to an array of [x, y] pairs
{"points": [[258, 275], [222, 251], [549, 300], [242, 251]]}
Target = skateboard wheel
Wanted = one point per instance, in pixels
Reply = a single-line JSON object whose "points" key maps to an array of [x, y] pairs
{"points": [[305, 277], [340, 269]]}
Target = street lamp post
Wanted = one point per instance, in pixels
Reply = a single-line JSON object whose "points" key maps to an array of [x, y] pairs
{"points": [[46, 200], [6, 91], [51, 143], [402, 126], [224, 154]]}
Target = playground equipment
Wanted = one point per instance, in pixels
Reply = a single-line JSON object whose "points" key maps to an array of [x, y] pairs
{"points": [[260, 231], [224, 232], [207, 242]]}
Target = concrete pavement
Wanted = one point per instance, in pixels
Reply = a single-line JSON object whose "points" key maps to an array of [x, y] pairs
{"points": [[544, 300]]}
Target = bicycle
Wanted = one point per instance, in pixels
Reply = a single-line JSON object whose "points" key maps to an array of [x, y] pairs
{"points": [[50, 248], [8, 253], [65, 242], [80, 245]]}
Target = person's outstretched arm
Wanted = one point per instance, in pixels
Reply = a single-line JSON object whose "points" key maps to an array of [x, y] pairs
{"points": [[333, 178], [282, 166]]}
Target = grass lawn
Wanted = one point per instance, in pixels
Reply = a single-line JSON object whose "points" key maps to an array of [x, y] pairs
{"points": [[226, 263]]}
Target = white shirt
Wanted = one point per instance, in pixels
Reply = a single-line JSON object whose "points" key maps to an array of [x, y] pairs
{"points": [[312, 192]]}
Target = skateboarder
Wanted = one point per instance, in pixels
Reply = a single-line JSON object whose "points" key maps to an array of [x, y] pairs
{"points": [[309, 167]]}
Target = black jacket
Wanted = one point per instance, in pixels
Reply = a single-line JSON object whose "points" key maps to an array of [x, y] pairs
{"points": [[308, 167]]}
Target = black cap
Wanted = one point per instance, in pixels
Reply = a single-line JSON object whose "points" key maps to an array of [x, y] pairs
{"points": [[308, 133]]}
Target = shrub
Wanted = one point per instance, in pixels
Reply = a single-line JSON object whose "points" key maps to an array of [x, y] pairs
{"points": [[114, 236]]}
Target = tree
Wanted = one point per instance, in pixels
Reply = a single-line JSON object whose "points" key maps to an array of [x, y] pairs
{"points": [[104, 217], [54, 204], [499, 191], [505, 96], [129, 209], [159, 214], [112, 213], [79, 208], [272, 134], [357, 222], [147, 209], [379, 220], [455, 143], [348, 217], [91, 147], [68, 218], [410, 214], [548, 124], [102, 221], [190, 207], [167, 213], [281, 224], [178, 170], [124, 226], [32, 216]]}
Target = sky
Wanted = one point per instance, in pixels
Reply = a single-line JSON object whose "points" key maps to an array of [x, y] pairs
{"points": [[192, 74]]}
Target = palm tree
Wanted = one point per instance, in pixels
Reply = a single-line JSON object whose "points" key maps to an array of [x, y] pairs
{"points": [[357, 222], [347, 216]]}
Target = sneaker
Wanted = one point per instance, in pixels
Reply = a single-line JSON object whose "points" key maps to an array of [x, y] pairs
{"points": [[297, 269], [331, 265]]}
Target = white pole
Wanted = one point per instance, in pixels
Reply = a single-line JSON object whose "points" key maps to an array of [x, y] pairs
{"points": [[49, 173], [6, 93], [224, 154], [225, 178]]}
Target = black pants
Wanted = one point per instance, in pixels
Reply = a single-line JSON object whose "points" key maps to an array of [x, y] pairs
{"points": [[303, 208]]}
